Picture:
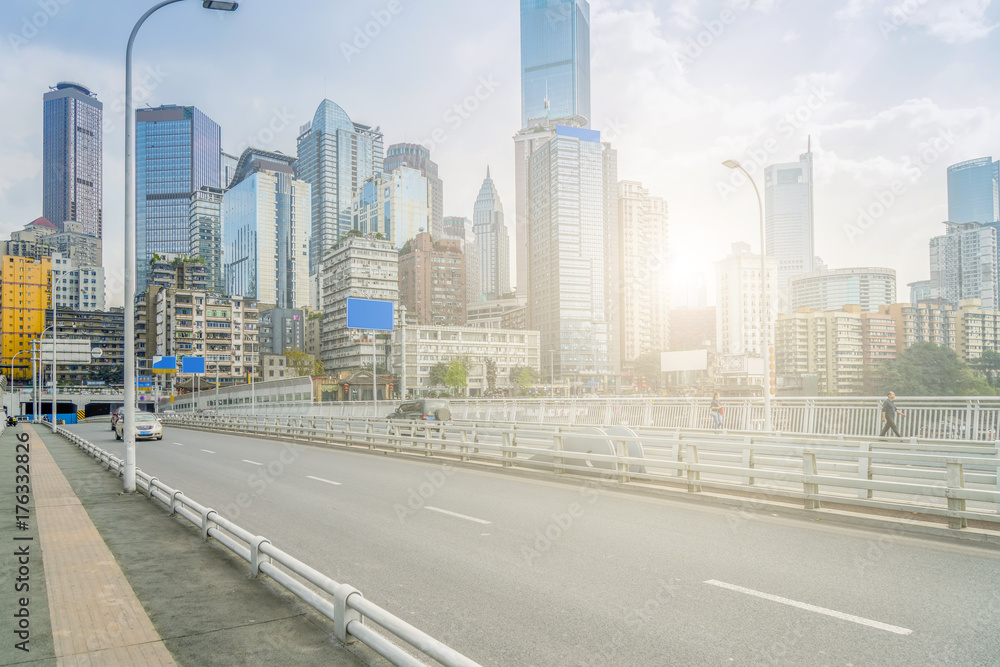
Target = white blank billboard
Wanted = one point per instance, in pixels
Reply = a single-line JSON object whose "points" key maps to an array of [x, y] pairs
{"points": [[690, 360], [68, 350]]}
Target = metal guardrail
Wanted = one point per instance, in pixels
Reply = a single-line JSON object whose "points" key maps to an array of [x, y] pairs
{"points": [[958, 481], [343, 604]]}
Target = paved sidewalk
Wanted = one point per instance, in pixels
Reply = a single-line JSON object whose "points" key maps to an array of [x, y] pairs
{"points": [[113, 580]]}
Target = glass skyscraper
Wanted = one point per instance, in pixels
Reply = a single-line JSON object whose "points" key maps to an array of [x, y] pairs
{"points": [[71, 157], [555, 59], [177, 152], [418, 157], [974, 191], [492, 241], [788, 217]]}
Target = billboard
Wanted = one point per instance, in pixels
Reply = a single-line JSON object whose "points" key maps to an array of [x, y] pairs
{"points": [[691, 360], [192, 364], [164, 364], [143, 381], [369, 314], [68, 350]]}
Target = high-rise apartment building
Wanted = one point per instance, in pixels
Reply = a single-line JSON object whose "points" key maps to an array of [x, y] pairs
{"points": [[826, 344], [492, 241], [643, 279], [977, 330], [177, 151], [393, 205], [206, 233], [265, 231], [418, 157], [867, 287], [357, 267], [927, 322], [77, 287], [567, 298], [25, 285], [105, 329], [335, 157], [964, 264], [84, 249], [739, 315], [281, 329], [974, 191], [72, 170], [788, 217], [460, 227], [432, 280], [555, 59]]}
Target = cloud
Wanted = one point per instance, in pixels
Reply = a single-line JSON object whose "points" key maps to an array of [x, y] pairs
{"points": [[954, 21]]}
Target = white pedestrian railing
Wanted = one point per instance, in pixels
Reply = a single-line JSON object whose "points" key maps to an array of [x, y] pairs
{"points": [[957, 481], [341, 603]]}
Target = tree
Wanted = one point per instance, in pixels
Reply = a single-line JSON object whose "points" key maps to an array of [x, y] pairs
{"points": [[457, 375], [438, 373], [110, 374], [648, 366], [989, 365], [491, 377], [522, 377], [927, 369], [303, 364]]}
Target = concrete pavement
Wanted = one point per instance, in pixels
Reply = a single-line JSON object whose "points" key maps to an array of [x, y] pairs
{"points": [[92, 576]]}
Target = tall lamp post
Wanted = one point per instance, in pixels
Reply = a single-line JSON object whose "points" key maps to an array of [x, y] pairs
{"points": [[129, 397], [765, 334]]}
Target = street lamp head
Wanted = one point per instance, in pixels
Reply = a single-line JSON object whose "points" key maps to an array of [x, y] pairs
{"points": [[732, 164], [220, 6]]}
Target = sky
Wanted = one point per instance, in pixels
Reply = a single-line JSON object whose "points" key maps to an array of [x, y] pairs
{"points": [[891, 92]]}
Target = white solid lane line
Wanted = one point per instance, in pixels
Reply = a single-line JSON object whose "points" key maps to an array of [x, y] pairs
{"points": [[208, 451], [809, 607], [320, 479], [460, 516], [179, 444], [252, 462]]}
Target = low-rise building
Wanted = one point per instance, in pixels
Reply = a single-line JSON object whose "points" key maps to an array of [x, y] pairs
{"points": [[507, 312]]}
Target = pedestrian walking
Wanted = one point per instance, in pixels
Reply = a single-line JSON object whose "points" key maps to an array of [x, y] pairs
{"points": [[889, 412], [716, 412]]}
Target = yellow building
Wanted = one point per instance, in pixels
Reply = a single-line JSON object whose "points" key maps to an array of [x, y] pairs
{"points": [[24, 297]]}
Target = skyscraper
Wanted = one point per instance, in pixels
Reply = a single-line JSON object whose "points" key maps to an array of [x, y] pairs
{"points": [[72, 172], [335, 157], [177, 151], [788, 217], [393, 204], [265, 223], [206, 233], [555, 59], [964, 264], [738, 313], [974, 191], [418, 157], [460, 227], [492, 241]]}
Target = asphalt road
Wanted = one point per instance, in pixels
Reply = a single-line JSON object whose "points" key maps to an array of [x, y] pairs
{"points": [[514, 571]]}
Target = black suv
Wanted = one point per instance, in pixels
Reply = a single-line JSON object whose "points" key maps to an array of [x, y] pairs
{"points": [[425, 409]]}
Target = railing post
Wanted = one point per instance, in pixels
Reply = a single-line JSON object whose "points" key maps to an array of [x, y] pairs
{"points": [[255, 559], [623, 468], [748, 461], [173, 502], [955, 478], [343, 615], [508, 441], [693, 476], [557, 446], [206, 523], [463, 447], [865, 468], [809, 488]]}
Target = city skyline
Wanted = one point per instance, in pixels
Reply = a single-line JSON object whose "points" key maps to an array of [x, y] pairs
{"points": [[903, 98]]}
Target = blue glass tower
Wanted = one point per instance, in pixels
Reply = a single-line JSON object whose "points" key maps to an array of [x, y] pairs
{"points": [[555, 59], [974, 191], [177, 151]]}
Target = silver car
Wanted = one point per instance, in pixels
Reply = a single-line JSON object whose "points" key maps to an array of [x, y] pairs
{"points": [[147, 426]]}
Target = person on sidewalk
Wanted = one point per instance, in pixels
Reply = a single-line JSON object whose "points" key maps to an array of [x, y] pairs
{"points": [[716, 412], [889, 412]]}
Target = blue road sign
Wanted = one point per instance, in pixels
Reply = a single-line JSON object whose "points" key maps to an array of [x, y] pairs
{"points": [[164, 364], [369, 314], [145, 381], [193, 365]]}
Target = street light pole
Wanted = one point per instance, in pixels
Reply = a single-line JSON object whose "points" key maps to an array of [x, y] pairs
{"points": [[55, 388], [129, 389], [765, 310]]}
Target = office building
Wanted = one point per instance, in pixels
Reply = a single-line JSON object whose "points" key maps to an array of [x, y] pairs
{"points": [[105, 329], [920, 290], [432, 280], [867, 287], [281, 329], [417, 349], [788, 217], [77, 287], [357, 267], [393, 205], [964, 264], [492, 241], [507, 312], [335, 157], [25, 284], [643, 278], [72, 158], [826, 344], [206, 233], [418, 157], [567, 298], [739, 315], [692, 329], [460, 227], [265, 231], [974, 191], [177, 151], [228, 163], [555, 59]]}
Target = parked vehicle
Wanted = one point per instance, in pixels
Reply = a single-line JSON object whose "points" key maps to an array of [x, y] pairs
{"points": [[146, 426], [423, 409]]}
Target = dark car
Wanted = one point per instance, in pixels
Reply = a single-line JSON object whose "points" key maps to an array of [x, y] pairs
{"points": [[423, 409]]}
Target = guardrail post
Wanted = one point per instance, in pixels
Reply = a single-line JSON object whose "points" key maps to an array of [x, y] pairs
{"points": [[748, 461], [955, 478], [865, 468], [463, 447], [505, 455], [149, 487], [206, 523], [693, 476], [557, 446], [173, 502], [370, 437], [622, 452], [343, 615], [809, 488], [255, 556]]}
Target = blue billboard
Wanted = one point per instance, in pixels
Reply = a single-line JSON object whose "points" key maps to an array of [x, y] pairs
{"points": [[164, 364], [144, 381], [193, 365], [369, 314]]}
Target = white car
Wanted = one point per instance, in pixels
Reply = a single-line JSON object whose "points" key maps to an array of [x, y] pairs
{"points": [[146, 426]]}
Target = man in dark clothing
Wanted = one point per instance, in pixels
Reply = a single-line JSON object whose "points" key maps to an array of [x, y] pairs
{"points": [[889, 412]]}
